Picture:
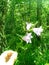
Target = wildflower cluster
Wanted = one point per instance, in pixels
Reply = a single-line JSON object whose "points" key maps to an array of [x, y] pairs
{"points": [[28, 36]]}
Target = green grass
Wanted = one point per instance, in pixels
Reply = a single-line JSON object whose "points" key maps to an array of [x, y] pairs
{"points": [[16, 14]]}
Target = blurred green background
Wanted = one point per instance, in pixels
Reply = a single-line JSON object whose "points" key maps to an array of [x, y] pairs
{"points": [[13, 17]]}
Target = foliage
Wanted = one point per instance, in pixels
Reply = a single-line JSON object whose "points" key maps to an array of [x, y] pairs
{"points": [[13, 17]]}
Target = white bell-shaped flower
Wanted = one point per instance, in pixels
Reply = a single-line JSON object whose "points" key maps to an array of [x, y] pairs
{"points": [[27, 38], [38, 31], [28, 25]]}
